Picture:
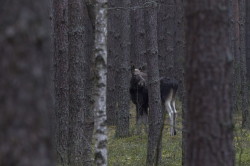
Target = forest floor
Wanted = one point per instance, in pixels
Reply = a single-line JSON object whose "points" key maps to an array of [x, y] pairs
{"points": [[132, 151]]}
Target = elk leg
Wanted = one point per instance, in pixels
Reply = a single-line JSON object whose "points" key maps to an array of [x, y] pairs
{"points": [[170, 112]]}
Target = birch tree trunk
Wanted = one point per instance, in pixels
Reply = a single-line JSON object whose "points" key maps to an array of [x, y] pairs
{"points": [[100, 55]]}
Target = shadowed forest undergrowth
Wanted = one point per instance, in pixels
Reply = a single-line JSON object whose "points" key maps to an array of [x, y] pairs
{"points": [[132, 151]]}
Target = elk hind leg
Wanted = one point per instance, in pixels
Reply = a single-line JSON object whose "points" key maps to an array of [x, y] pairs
{"points": [[170, 111], [174, 110]]}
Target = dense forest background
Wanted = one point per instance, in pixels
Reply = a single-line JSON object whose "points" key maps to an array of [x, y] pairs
{"points": [[65, 69]]}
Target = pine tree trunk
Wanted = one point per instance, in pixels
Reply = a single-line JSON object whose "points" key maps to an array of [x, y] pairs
{"points": [[138, 49], [208, 74], [25, 67], [184, 123], [100, 59], [237, 58], [244, 87], [248, 54], [232, 41], [166, 34], [122, 128], [179, 56], [155, 112], [179, 45], [60, 11], [248, 39], [113, 32], [78, 141], [232, 27], [88, 74]]}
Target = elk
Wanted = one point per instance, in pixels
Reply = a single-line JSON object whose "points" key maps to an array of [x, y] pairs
{"points": [[139, 96]]}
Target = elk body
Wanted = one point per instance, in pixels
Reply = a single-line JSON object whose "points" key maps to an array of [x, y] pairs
{"points": [[139, 96]]}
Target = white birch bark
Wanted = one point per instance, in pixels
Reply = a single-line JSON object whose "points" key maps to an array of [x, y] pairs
{"points": [[100, 54]]}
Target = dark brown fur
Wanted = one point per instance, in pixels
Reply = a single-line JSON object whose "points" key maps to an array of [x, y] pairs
{"points": [[139, 91]]}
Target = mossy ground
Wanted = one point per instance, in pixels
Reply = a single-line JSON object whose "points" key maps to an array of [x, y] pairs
{"points": [[132, 151]]}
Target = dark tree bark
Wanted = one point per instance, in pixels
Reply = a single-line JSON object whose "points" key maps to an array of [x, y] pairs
{"points": [[155, 112], [232, 41], [236, 14], [166, 34], [87, 71], [232, 30], [232, 26], [247, 30], [111, 88], [179, 46], [113, 40], [122, 128], [244, 86], [60, 23], [179, 56], [184, 123], [26, 103], [248, 40], [138, 49], [80, 123], [208, 72], [237, 57]]}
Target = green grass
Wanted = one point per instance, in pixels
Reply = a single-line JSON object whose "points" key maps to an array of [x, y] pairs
{"points": [[132, 151], [241, 143]]}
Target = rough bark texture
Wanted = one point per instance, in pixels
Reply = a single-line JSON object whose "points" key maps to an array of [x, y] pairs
{"points": [[60, 23], [184, 123], [179, 56], [122, 128], [244, 86], [25, 95], [231, 23], [138, 49], [248, 53], [248, 39], [179, 47], [166, 32], [100, 60], [79, 141], [113, 52], [232, 48], [209, 61], [87, 71], [237, 58], [155, 112]]}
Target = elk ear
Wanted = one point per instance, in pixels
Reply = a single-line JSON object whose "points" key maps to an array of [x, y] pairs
{"points": [[132, 69], [142, 68]]}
